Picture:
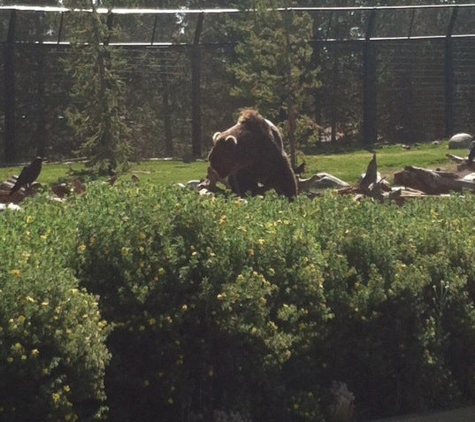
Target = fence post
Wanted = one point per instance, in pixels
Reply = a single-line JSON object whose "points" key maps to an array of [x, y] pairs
{"points": [[40, 89], [449, 76], [334, 101], [369, 85], [9, 91], [196, 132]]}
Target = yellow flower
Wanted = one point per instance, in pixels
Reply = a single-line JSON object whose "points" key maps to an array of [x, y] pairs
{"points": [[30, 219], [125, 251], [35, 352], [16, 273], [82, 247]]}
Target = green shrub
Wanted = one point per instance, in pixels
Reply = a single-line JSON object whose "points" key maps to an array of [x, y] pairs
{"points": [[252, 310], [211, 296], [258, 306], [52, 354]]}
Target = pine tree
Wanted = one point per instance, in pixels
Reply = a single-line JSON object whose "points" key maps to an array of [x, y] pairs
{"points": [[274, 64], [98, 112]]}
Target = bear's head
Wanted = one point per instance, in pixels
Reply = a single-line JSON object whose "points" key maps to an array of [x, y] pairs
{"points": [[224, 154], [240, 145]]}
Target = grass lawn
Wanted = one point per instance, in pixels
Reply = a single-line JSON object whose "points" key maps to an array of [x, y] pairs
{"points": [[347, 167]]}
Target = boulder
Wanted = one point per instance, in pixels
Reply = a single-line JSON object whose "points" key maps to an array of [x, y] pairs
{"points": [[460, 141]]}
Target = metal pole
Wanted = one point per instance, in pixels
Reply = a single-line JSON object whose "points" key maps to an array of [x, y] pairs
{"points": [[450, 76], [40, 90], [9, 91], [60, 29], [335, 90], [369, 85], [154, 30], [196, 130]]}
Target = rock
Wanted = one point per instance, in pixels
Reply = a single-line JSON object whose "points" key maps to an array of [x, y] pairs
{"points": [[460, 141], [10, 206]]}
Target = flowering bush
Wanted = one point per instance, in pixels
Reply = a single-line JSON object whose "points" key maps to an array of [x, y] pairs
{"points": [[259, 306], [52, 337], [223, 308]]}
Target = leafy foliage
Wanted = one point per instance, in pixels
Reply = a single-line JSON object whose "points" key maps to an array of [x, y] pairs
{"points": [[52, 336], [219, 306], [257, 307]]}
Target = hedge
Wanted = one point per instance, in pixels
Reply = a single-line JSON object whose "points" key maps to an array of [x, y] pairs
{"points": [[52, 337], [223, 309]]}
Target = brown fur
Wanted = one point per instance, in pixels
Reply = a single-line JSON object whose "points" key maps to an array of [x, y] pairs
{"points": [[252, 152]]}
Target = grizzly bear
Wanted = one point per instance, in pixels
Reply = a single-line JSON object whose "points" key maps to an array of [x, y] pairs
{"points": [[252, 156]]}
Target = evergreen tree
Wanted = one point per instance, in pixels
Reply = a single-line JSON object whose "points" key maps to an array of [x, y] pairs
{"points": [[274, 64], [98, 111]]}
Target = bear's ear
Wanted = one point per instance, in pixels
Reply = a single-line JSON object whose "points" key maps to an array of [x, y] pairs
{"points": [[231, 139], [216, 136]]}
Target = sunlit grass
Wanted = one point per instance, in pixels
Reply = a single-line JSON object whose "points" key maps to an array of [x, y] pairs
{"points": [[347, 167], [390, 159]]}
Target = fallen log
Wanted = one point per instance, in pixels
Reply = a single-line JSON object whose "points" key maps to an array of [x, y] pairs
{"points": [[462, 163], [456, 158], [432, 182]]}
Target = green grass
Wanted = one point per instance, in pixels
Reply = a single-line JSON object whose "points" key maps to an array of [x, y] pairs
{"points": [[390, 159], [347, 167]]}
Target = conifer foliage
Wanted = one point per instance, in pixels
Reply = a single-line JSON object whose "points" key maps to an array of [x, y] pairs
{"points": [[98, 111], [274, 63]]}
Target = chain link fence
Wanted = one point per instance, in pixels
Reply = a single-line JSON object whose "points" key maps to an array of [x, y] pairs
{"points": [[424, 84]]}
